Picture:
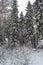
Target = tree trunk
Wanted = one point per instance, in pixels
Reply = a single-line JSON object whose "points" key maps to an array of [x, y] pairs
{"points": [[34, 40]]}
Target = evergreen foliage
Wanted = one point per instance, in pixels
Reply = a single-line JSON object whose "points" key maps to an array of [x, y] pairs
{"points": [[29, 20], [14, 24], [21, 30]]}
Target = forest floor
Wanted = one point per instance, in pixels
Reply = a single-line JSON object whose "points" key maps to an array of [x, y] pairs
{"points": [[21, 56]]}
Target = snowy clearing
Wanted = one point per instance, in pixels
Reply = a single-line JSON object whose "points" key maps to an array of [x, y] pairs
{"points": [[21, 56], [36, 57]]}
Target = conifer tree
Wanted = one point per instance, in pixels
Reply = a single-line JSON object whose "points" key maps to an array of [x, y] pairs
{"points": [[29, 21], [40, 2], [36, 21], [14, 23], [3, 16], [21, 28]]}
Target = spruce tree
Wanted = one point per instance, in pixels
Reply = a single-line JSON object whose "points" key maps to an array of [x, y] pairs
{"points": [[3, 11], [14, 23], [41, 18], [29, 21], [21, 28], [36, 22]]}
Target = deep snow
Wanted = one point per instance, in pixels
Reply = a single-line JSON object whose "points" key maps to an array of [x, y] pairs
{"points": [[21, 56], [36, 57]]}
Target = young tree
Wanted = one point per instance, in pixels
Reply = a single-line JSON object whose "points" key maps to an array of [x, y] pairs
{"points": [[22, 29]]}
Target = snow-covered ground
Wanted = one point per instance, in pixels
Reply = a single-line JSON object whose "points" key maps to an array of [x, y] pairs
{"points": [[21, 56], [36, 57]]}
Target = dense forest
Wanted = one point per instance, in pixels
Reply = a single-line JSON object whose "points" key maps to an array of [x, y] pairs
{"points": [[15, 30]]}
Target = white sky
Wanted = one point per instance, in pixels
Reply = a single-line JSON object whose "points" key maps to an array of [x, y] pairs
{"points": [[22, 5]]}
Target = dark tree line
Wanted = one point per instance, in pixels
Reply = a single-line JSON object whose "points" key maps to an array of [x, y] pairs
{"points": [[20, 30]]}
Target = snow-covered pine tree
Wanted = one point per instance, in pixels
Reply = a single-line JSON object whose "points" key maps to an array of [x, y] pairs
{"points": [[40, 2], [3, 15], [14, 23], [21, 28], [36, 20], [29, 21]]}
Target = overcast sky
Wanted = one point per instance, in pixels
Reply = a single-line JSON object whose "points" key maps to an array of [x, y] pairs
{"points": [[22, 5]]}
